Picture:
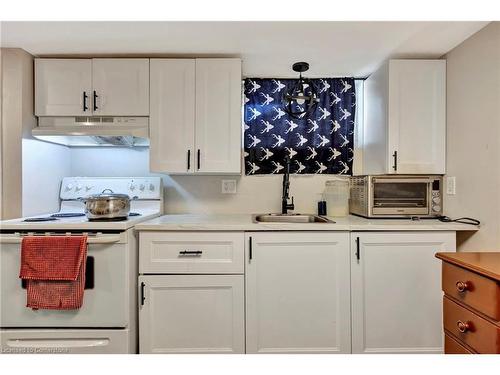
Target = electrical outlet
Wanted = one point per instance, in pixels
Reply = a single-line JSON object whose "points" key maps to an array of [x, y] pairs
{"points": [[228, 186], [451, 185]]}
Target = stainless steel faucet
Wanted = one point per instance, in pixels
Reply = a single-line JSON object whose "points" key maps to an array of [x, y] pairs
{"points": [[285, 206]]}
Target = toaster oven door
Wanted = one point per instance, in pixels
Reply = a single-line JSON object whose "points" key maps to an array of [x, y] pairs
{"points": [[391, 196]]}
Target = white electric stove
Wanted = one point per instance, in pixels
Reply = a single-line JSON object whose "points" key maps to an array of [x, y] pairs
{"points": [[106, 323]]}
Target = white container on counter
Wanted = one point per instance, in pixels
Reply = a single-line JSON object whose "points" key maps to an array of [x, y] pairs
{"points": [[336, 195]]}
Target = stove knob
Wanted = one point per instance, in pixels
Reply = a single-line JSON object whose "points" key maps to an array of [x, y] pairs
{"points": [[68, 187], [78, 188], [87, 188], [436, 200], [132, 187], [151, 187], [142, 187]]}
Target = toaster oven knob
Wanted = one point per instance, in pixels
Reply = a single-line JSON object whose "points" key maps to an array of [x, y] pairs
{"points": [[436, 200], [142, 187], [436, 208]]}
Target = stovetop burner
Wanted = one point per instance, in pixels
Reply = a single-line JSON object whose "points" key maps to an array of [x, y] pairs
{"points": [[68, 214], [38, 219]]}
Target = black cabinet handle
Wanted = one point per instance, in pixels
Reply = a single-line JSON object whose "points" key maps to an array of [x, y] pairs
{"points": [[85, 96], [95, 100], [357, 249], [189, 160], [250, 249], [191, 252], [395, 165], [198, 157], [143, 297]]}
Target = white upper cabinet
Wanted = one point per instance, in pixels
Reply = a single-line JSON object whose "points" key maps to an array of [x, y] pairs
{"points": [[218, 115], [63, 87], [103, 87], [396, 291], [195, 116], [120, 87], [298, 292], [405, 119], [172, 116]]}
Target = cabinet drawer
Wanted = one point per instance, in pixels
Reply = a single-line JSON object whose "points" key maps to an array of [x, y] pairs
{"points": [[452, 346], [480, 334], [476, 291], [191, 252]]}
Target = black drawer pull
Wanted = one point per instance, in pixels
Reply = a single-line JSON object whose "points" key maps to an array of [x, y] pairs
{"points": [[191, 252]]}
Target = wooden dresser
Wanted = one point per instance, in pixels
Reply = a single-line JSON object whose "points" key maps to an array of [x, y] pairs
{"points": [[471, 302]]}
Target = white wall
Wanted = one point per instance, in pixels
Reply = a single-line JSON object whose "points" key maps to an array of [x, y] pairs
{"points": [[17, 68], [200, 194], [31, 169], [473, 136], [44, 166]]}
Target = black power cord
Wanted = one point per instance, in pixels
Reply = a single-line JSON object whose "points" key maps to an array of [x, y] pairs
{"points": [[462, 220]]}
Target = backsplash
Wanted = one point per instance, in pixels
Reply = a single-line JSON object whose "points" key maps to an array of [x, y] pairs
{"points": [[201, 194]]}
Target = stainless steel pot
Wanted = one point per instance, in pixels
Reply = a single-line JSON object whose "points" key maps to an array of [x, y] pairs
{"points": [[107, 205]]}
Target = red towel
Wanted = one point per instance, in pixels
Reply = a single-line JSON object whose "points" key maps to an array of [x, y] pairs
{"points": [[54, 267]]}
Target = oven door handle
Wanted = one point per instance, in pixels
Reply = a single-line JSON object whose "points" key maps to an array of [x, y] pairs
{"points": [[90, 240], [401, 180]]}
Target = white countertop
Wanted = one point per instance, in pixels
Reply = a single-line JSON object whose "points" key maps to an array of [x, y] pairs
{"points": [[75, 223], [244, 222]]}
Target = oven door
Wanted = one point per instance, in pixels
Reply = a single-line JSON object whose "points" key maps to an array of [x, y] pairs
{"points": [[105, 300], [400, 196]]}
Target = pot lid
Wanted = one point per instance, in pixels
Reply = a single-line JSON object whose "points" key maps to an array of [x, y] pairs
{"points": [[108, 194]]}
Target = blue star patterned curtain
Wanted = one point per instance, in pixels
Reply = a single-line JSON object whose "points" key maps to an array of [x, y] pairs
{"points": [[320, 141]]}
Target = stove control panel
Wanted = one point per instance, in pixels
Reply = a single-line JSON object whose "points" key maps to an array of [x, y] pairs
{"points": [[144, 188]]}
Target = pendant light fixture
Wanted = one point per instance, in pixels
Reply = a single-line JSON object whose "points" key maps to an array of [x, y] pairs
{"points": [[302, 97]]}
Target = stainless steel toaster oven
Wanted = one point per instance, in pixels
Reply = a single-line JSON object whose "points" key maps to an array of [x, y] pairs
{"points": [[395, 196]]}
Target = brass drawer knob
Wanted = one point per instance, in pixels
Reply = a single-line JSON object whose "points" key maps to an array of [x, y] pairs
{"points": [[463, 327], [462, 286]]}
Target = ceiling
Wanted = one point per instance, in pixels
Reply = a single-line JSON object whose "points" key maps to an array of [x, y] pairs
{"points": [[268, 49]]}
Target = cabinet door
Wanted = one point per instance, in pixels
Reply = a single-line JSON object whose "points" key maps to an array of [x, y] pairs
{"points": [[192, 314], [121, 87], [218, 116], [396, 291], [298, 294], [417, 116], [62, 87], [171, 119]]}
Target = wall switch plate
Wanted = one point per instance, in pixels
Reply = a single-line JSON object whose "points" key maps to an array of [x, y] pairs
{"points": [[228, 186], [451, 185]]}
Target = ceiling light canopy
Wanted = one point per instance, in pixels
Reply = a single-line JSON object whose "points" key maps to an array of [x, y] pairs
{"points": [[302, 97]]}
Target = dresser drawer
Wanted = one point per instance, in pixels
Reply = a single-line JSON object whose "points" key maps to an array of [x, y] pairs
{"points": [[476, 291], [478, 333], [191, 252], [452, 346]]}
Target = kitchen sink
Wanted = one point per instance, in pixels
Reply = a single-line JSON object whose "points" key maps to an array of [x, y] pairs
{"points": [[290, 218]]}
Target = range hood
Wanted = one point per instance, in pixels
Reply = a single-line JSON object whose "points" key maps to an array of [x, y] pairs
{"points": [[93, 131]]}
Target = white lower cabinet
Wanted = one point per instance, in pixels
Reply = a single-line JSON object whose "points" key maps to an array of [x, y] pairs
{"points": [[395, 291], [297, 292], [192, 314]]}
